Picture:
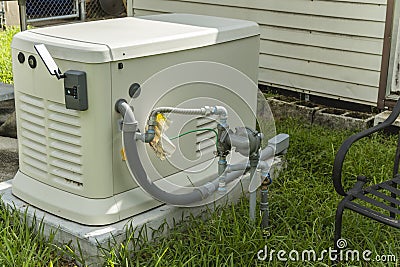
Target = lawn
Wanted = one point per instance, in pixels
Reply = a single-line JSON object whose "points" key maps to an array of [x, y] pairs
{"points": [[5, 54], [302, 208]]}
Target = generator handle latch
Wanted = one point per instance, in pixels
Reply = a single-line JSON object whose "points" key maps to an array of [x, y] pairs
{"points": [[48, 61], [75, 84]]}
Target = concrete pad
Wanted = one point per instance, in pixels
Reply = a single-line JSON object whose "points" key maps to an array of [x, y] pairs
{"points": [[8, 158], [379, 118], [92, 239], [6, 91]]}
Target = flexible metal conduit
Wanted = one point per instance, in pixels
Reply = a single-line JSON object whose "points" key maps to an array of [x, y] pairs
{"points": [[204, 111]]}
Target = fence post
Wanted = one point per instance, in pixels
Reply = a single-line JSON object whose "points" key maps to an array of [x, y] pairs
{"points": [[129, 8], [2, 15], [82, 9], [22, 14]]}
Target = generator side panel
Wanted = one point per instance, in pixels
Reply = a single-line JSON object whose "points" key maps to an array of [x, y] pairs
{"points": [[160, 90], [64, 148]]}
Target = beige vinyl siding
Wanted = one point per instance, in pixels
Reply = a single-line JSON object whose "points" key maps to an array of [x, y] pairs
{"points": [[328, 48]]}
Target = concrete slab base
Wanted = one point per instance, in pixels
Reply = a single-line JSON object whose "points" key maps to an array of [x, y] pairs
{"points": [[379, 118], [93, 238]]}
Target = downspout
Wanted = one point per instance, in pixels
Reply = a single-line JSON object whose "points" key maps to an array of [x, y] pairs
{"points": [[22, 14], [387, 42]]}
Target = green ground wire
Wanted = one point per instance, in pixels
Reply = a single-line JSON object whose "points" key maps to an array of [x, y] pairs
{"points": [[198, 130]]}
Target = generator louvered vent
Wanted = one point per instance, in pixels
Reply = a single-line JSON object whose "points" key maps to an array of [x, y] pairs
{"points": [[205, 140], [50, 141]]}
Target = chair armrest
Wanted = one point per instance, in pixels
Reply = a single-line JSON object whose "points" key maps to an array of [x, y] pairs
{"points": [[344, 148]]}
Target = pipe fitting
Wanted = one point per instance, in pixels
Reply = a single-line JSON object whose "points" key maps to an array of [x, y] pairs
{"points": [[207, 110], [223, 147], [222, 113], [206, 190], [267, 180], [149, 134], [146, 137], [264, 205], [129, 123], [246, 141], [119, 107]]}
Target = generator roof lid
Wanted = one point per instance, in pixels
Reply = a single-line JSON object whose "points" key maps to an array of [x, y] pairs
{"points": [[123, 38]]}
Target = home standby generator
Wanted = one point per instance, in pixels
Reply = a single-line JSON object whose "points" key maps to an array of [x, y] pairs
{"points": [[88, 139]]}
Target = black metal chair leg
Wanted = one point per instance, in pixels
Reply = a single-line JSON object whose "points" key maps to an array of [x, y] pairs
{"points": [[395, 172], [393, 215], [338, 227], [393, 195]]}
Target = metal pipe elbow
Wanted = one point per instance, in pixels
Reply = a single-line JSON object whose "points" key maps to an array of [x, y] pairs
{"points": [[222, 112]]}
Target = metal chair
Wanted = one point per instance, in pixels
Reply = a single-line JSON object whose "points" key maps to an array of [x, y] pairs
{"points": [[370, 199]]}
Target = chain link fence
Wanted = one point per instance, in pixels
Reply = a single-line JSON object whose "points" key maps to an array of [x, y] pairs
{"points": [[103, 9], [41, 10], [44, 12], [2, 15]]}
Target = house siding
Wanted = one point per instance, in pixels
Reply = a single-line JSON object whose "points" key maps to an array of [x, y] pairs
{"points": [[327, 48]]}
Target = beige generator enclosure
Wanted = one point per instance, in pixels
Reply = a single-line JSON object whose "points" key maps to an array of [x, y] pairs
{"points": [[72, 159]]}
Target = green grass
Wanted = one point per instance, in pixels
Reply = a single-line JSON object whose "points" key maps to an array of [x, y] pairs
{"points": [[5, 54], [20, 245]]}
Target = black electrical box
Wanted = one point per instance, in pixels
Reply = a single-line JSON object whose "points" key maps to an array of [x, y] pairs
{"points": [[75, 90]]}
